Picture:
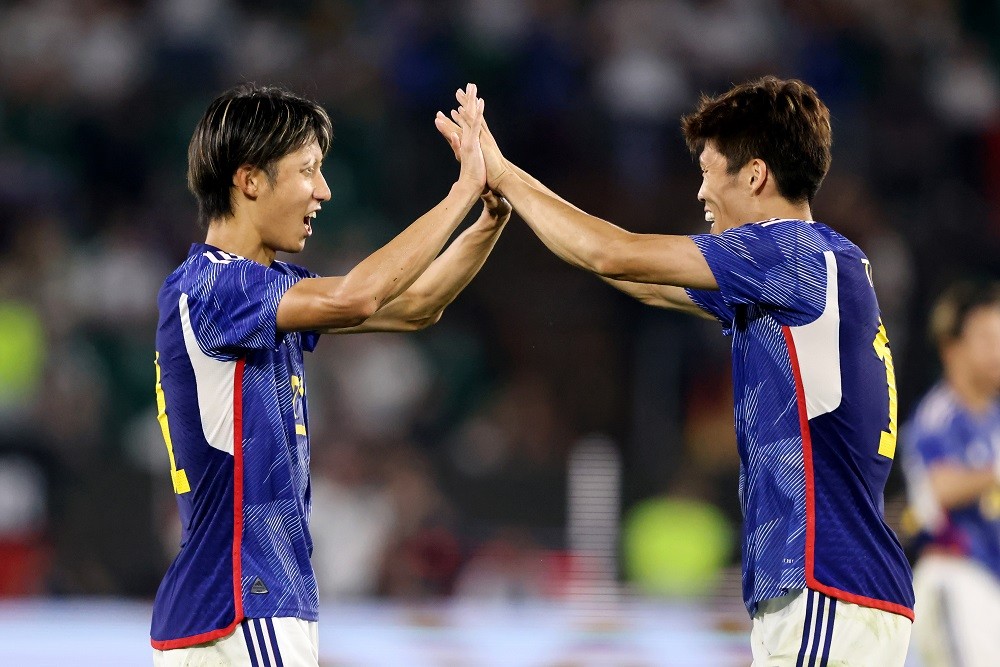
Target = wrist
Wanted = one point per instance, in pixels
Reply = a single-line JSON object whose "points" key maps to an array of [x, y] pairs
{"points": [[502, 178], [467, 189]]}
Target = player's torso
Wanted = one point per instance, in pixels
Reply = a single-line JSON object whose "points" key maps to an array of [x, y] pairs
{"points": [[235, 423], [815, 420]]}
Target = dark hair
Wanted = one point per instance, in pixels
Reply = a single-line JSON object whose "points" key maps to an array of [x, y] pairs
{"points": [[952, 309], [783, 123], [248, 125]]}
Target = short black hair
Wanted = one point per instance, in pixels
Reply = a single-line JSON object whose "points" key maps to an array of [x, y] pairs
{"points": [[952, 309], [782, 122], [248, 125]]}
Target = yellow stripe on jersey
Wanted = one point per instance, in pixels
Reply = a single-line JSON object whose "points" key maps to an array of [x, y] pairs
{"points": [[178, 477], [887, 441]]}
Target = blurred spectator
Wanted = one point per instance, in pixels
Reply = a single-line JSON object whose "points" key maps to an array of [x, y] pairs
{"points": [[952, 452], [353, 520]]}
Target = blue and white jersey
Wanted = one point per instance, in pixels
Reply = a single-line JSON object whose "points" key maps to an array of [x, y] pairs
{"points": [[815, 399], [231, 402], [942, 430]]}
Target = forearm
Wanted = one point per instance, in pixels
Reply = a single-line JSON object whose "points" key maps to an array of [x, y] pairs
{"points": [[423, 303], [957, 486], [450, 273], [392, 269], [537, 184], [572, 235], [659, 296]]}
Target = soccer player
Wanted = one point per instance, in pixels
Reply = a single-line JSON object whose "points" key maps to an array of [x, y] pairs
{"points": [[231, 396], [824, 577], [951, 452]]}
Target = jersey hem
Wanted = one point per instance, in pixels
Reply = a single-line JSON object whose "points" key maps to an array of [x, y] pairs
{"points": [[861, 600], [194, 640]]}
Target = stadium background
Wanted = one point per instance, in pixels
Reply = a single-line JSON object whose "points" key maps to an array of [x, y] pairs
{"points": [[454, 469]]}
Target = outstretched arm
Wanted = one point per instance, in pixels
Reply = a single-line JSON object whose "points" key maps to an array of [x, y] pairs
{"points": [[587, 250], [600, 247], [422, 304], [348, 301]]}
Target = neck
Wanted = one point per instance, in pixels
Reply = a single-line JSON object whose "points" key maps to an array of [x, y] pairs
{"points": [[974, 397], [237, 236], [778, 207]]}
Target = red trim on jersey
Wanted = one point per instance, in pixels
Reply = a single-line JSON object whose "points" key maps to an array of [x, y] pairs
{"points": [[807, 456], [238, 493], [807, 459], [185, 642]]}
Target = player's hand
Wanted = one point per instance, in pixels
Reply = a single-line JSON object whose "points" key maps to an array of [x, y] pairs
{"points": [[466, 141], [496, 164], [497, 206]]}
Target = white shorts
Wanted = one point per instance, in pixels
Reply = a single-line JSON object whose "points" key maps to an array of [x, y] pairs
{"points": [[958, 613], [808, 629], [256, 642]]}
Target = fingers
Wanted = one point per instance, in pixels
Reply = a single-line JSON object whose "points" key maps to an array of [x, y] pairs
{"points": [[450, 131], [470, 111]]}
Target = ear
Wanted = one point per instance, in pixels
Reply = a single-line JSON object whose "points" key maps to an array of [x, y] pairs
{"points": [[247, 180], [757, 175]]}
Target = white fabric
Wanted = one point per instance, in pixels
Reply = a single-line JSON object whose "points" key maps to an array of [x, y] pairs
{"points": [[958, 613], [295, 639], [861, 637]]}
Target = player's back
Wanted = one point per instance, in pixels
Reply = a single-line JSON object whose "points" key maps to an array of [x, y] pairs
{"points": [[814, 394]]}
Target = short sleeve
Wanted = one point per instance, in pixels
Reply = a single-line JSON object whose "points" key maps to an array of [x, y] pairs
{"points": [[712, 303], [234, 306], [777, 266], [308, 339]]}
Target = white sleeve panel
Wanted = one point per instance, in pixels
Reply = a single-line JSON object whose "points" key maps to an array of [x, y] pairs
{"points": [[215, 381], [817, 346]]}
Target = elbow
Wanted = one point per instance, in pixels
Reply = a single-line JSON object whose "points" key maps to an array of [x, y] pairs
{"points": [[342, 310], [605, 260], [429, 320]]}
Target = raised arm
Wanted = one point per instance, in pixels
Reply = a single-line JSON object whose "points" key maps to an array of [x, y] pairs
{"points": [[600, 247], [348, 301], [587, 250], [422, 304]]}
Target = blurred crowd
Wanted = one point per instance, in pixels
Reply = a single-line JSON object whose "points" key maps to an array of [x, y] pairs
{"points": [[440, 459]]}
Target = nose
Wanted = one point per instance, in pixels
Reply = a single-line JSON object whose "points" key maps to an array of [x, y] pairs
{"points": [[322, 190]]}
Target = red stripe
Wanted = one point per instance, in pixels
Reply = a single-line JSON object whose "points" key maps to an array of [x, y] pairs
{"points": [[807, 456], [238, 492], [193, 640], [807, 459]]}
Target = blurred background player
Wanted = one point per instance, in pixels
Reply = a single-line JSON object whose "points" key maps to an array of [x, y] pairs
{"points": [[824, 577], [230, 387], [952, 465]]}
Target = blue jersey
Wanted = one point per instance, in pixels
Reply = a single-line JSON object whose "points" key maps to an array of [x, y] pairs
{"points": [[815, 399], [231, 404], [942, 430]]}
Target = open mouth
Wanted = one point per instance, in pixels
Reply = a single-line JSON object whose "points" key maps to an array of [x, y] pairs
{"points": [[307, 221]]}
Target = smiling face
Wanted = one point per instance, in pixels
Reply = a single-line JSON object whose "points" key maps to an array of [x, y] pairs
{"points": [[727, 197], [285, 208]]}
